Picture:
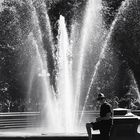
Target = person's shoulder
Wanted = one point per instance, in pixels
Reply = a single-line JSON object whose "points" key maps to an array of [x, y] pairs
{"points": [[107, 104]]}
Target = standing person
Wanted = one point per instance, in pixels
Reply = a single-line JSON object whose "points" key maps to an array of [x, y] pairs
{"points": [[104, 122]]}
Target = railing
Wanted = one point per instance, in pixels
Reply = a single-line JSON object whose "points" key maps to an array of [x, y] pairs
{"points": [[19, 120]]}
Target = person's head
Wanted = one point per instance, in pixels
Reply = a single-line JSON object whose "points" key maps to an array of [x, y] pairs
{"points": [[101, 98], [128, 96]]}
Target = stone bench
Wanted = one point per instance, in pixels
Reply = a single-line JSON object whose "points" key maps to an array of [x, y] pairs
{"points": [[124, 128]]}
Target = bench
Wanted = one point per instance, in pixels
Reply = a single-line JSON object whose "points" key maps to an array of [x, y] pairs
{"points": [[123, 128]]}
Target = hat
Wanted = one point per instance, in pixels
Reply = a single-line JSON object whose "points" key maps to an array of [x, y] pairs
{"points": [[100, 96]]}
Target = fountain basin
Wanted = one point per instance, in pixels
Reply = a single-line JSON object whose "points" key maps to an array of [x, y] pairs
{"points": [[44, 137], [21, 125]]}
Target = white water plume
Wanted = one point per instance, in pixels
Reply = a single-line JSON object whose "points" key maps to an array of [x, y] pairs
{"points": [[64, 77], [102, 55], [92, 20]]}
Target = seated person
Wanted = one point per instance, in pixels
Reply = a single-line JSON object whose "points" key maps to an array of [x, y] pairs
{"points": [[104, 122]]}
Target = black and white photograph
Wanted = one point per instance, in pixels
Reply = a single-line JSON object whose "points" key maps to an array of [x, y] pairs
{"points": [[70, 69]]}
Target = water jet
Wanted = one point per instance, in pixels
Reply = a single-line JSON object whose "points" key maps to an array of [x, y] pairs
{"points": [[63, 77]]}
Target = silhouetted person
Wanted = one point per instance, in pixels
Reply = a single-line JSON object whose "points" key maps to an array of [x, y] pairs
{"points": [[115, 102], [122, 103], [104, 122]]}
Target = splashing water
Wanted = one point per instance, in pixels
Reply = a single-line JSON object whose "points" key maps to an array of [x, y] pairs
{"points": [[102, 56], [46, 88], [92, 22], [61, 103], [61, 106], [39, 69], [64, 77], [57, 106]]}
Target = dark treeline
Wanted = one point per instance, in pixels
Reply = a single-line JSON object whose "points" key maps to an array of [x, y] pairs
{"points": [[15, 27]]}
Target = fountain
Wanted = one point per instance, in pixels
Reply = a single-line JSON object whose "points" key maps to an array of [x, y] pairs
{"points": [[61, 76], [63, 100], [64, 78]]}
